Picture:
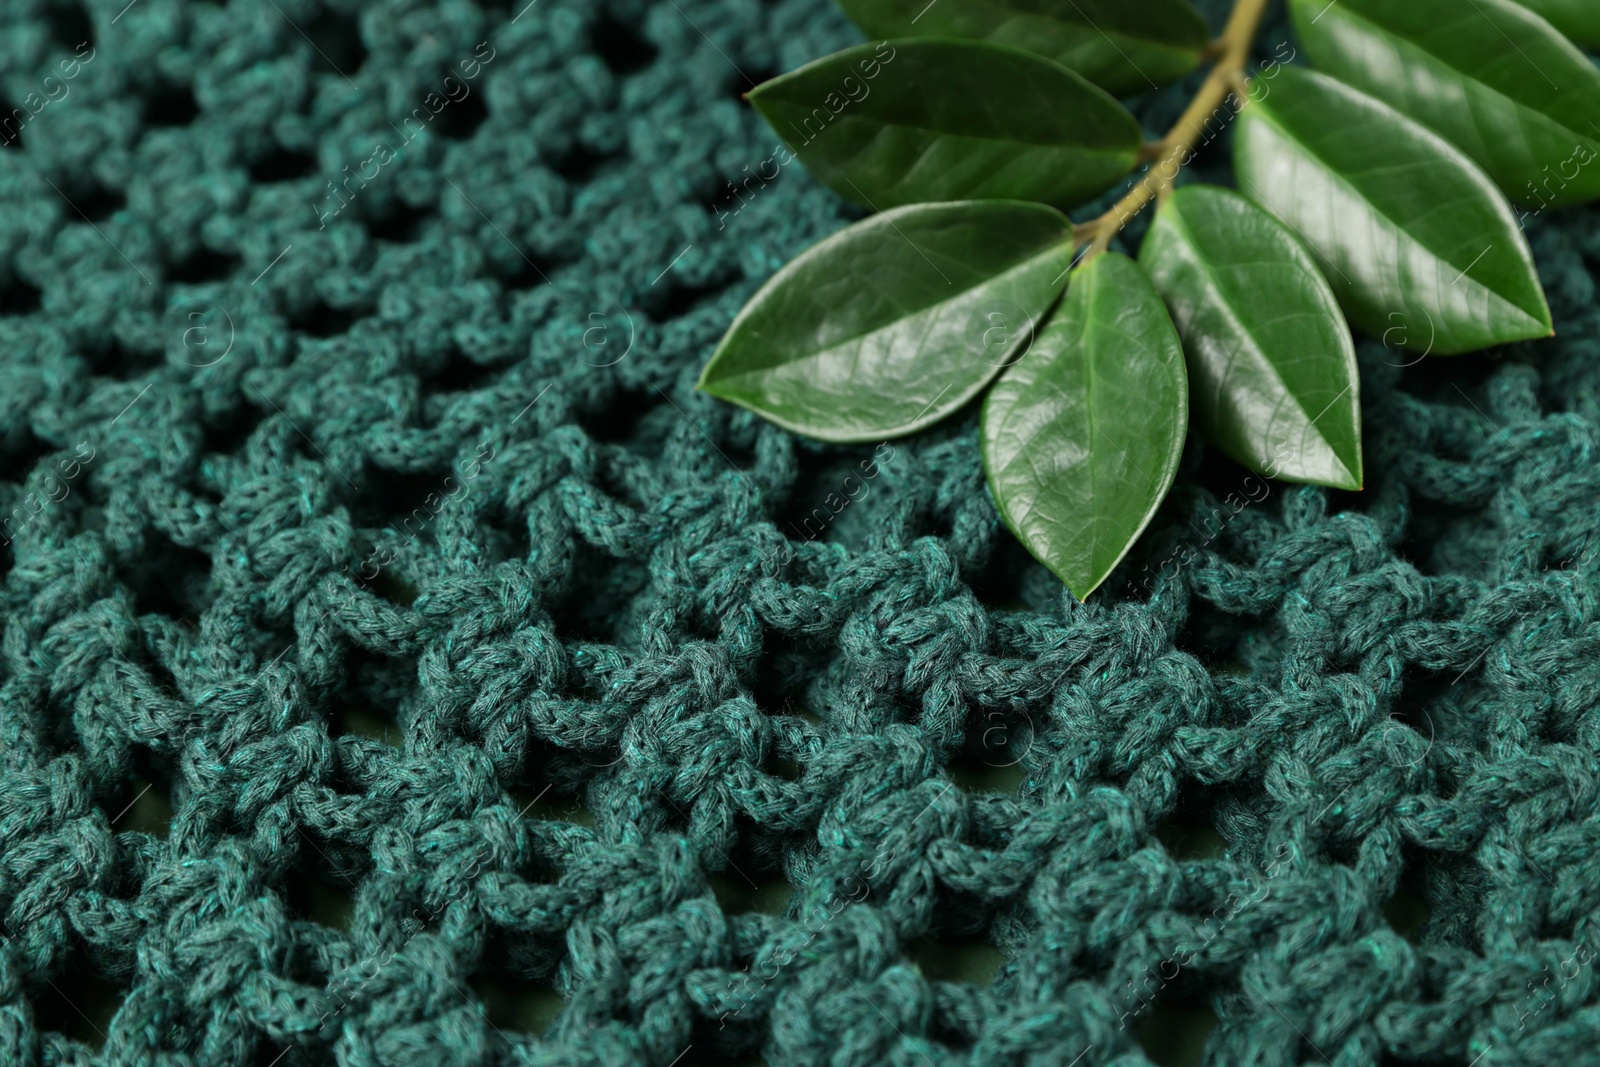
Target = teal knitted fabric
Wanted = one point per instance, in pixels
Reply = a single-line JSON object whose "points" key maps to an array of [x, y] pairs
{"points": [[357, 501]]}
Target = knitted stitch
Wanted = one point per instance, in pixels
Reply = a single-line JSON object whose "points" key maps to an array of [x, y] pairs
{"points": [[338, 403]]}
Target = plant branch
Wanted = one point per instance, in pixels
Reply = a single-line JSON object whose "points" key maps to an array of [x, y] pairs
{"points": [[1176, 149]]}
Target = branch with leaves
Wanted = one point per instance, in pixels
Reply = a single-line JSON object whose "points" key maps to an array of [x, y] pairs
{"points": [[1372, 194]]}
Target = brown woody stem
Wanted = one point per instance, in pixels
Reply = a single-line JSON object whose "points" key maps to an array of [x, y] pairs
{"points": [[1172, 152]]}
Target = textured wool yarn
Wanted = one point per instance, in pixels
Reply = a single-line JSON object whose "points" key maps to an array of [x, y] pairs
{"points": [[356, 501]]}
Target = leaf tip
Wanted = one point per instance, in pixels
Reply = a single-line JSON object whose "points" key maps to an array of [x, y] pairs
{"points": [[1090, 586]]}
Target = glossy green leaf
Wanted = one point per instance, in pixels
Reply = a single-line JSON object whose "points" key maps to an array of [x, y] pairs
{"points": [[1579, 20], [892, 324], [924, 120], [1081, 437], [1123, 46], [1419, 246], [1490, 77], [1272, 370]]}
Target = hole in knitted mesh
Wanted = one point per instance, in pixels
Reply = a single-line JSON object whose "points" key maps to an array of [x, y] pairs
{"points": [[1213, 637], [70, 26], [282, 165], [110, 358], [21, 451], [786, 762], [326, 903], [1187, 832], [388, 499], [516, 979], [517, 1006], [390, 586], [1434, 709], [1174, 1035], [461, 118], [619, 46], [428, 496], [1010, 580], [1407, 914], [758, 852], [269, 1054], [203, 265], [361, 721], [525, 273], [1190, 839], [337, 41], [459, 373], [581, 163], [785, 674], [338, 865], [1437, 380], [618, 422], [374, 680], [143, 805], [551, 805], [996, 741], [402, 223], [78, 1003], [805, 713], [230, 432], [172, 105], [759, 74], [976, 774], [12, 120], [766, 893], [594, 603], [1205, 820], [830, 493], [680, 299], [320, 319], [1449, 890], [97, 202], [1444, 540], [971, 960], [732, 1040], [168, 579], [19, 297], [542, 781]]}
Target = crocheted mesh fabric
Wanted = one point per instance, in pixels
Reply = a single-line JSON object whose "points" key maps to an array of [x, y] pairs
{"points": [[358, 503]]}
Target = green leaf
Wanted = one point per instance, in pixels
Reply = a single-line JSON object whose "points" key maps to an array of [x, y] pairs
{"points": [[1123, 46], [1578, 19], [922, 120], [1081, 437], [892, 324], [1270, 359], [1493, 79], [1417, 243]]}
